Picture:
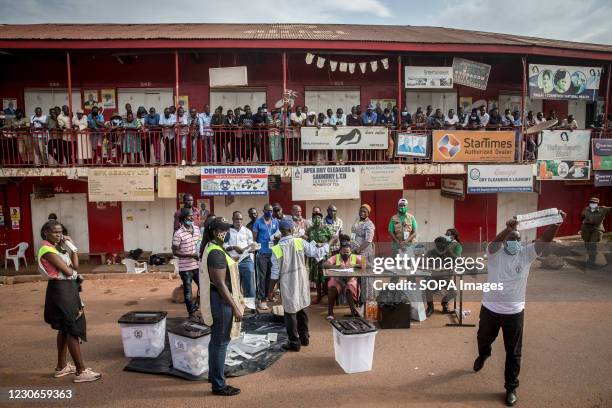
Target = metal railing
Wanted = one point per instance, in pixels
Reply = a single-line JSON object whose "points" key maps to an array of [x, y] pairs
{"points": [[182, 145]]}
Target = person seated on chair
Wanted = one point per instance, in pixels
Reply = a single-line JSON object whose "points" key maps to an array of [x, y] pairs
{"points": [[441, 251], [347, 285]]}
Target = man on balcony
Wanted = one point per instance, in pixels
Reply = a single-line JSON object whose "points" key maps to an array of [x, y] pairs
{"points": [[95, 124], [167, 122], [369, 117], [483, 116]]}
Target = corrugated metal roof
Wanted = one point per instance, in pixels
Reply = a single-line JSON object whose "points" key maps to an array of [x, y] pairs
{"points": [[329, 32]]}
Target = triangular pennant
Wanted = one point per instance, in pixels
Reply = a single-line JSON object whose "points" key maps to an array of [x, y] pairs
{"points": [[320, 62], [385, 63], [374, 65], [309, 58], [333, 65], [343, 66], [352, 67], [363, 66]]}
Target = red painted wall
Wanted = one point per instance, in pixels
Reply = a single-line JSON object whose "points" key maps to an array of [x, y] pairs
{"points": [[475, 212], [105, 227]]}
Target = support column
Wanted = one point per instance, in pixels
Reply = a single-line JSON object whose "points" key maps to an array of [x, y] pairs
{"points": [[70, 112], [607, 102], [399, 91], [285, 106], [176, 77], [523, 90]]}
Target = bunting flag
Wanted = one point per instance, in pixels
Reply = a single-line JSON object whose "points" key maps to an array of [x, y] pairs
{"points": [[346, 66]]}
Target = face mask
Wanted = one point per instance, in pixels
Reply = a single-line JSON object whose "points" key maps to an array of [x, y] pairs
{"points": [[267, 214], [404, 113], [221, 236], [592, 206], [448, 238], [345, 257], [513, 247], [188, 223], [402, 210], [316, 221]]}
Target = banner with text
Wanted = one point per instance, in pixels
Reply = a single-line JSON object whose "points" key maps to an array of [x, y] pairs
{"points": [[603, 178], [471, 73], [324, 183], [452, 187], [381, 177], [465, 146], [561, 82], [602, 154], [121, 185], [344, 137], [428, 77], [564, 145], [564, 170], [234, 180], [483, 179]]}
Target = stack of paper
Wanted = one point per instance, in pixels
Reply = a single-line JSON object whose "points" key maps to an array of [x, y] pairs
{"points": [[538, 219]]}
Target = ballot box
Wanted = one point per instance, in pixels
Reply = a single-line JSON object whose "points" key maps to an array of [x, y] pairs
{"points": [[354, 344], [143, 333], [189, 347]]}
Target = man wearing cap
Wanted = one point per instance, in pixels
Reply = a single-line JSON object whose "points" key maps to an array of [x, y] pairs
{"points": [[592, 229], [277, 212], [402, 227], [222, 303], [185, 246], [289, 267], [188, 203], [369, 117]]}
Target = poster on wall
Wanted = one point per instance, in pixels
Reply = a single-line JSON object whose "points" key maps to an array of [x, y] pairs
{"points": [[564, 170], [603, 179], [345, 137], [465, 102], [183, 102], [109, 100], [234, 180], [204, 205], [166, 182], [325, 183], [563, 82], [428, 77], [564, 145], [9, 105], [483, 179], [412, 145], [452, 187], [471, 73], [121, 185], [1, 216], [464, 146], [90, 98], [15, 217], [602, 154], [384, 103], [381, 177]]}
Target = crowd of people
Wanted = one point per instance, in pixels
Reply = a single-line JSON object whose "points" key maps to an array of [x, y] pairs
{"points": [[225, 135]]}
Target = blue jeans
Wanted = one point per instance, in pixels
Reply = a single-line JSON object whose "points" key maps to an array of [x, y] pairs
{"points": [[247, 280], [219, 339], [187, 277], [264, 269]]}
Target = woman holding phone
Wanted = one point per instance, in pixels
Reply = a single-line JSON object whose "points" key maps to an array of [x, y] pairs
{"points": [[63, 306]]}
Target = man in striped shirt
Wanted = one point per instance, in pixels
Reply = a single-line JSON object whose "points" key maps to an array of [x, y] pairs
{"points": [[185, 246]]}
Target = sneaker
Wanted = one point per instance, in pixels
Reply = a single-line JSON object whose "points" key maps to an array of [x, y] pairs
{"points": [[263, 305], [69, 369], [330, 318], [228, 391], [183, 162], [87, 375]]}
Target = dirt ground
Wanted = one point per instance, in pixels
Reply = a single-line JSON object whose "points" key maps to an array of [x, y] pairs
{"points": [[567, 354]]}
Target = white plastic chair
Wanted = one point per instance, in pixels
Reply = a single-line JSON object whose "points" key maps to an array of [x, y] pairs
{"points": [[174, 262], [135, 266], [21, 249]]}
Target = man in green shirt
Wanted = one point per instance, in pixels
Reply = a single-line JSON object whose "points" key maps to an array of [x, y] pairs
{"points": [[402, 226], [592, 229]]}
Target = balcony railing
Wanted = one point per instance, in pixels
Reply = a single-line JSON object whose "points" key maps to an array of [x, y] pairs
{"points": [[183, 146]]}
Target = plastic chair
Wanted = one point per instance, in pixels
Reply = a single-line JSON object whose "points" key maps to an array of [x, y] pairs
{"points": [[174, 262], [135, 266], [21, 249]]}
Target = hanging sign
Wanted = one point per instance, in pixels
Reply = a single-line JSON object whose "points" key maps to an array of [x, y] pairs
{"points": [[325, 183], [234, 180]]}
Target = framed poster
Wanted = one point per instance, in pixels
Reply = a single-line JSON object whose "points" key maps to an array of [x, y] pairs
{"points": [[109, 100], [90, 98]]}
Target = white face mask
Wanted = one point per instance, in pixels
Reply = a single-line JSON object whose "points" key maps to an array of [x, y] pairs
{"points": [[593, 206]]}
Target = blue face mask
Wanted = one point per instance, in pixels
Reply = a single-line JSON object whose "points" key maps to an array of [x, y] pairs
{"points": [[513, 247], [188, 223], [267, 214]]}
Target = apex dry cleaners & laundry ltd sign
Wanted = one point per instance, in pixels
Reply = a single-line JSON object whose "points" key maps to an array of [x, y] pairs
{"points": [[484, 179], [325, 182]]}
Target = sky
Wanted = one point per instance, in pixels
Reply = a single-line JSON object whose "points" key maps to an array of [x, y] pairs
{"points": [[573, 20]]}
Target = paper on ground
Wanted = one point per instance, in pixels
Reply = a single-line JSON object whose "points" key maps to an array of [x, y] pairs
{"points": [[538, 219]]}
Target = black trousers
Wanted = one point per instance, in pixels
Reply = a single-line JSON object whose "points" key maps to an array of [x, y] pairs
{"points": [[512, 330], [297, 327]]}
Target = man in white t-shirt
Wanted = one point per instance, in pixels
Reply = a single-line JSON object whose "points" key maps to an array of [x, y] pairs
{"points": [[508, 264]]}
